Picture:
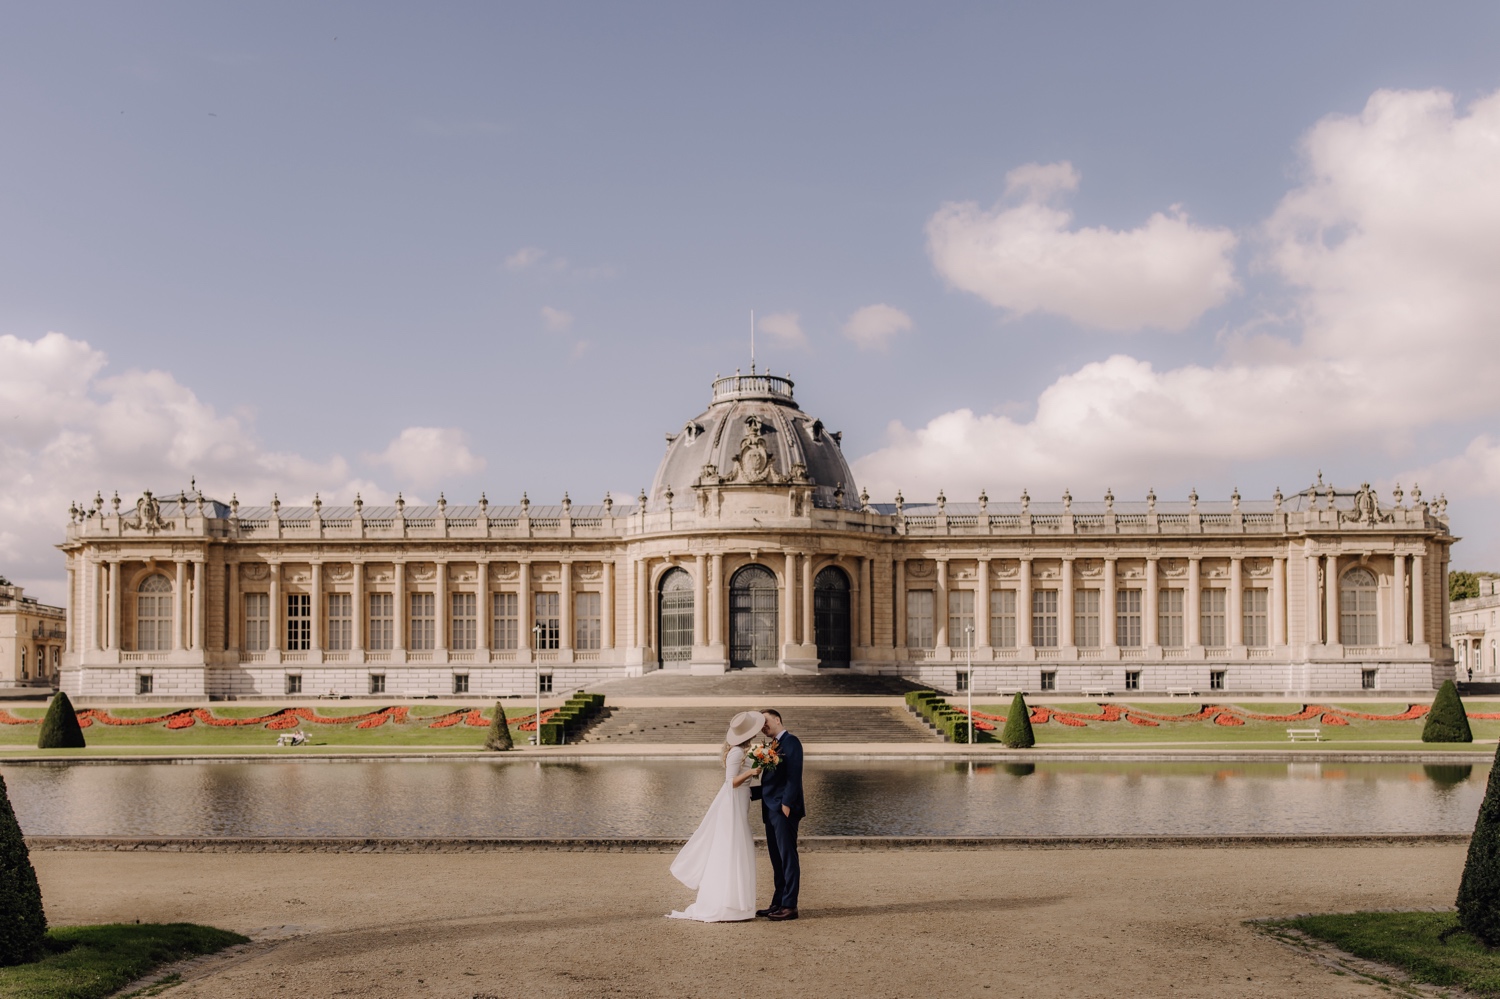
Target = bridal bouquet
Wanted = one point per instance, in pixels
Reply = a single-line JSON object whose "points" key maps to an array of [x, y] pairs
{"points": [[762, 759]]}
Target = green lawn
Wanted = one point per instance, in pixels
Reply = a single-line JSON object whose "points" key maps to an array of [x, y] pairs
{"points": [[85, 962], [1411, 941]]}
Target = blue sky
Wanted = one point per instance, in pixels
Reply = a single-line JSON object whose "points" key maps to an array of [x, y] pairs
{"points": [[298, 248]]}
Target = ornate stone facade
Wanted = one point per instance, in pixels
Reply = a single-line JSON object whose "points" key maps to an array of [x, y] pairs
{"points": [[755, 549], [1476, 633], [32, 635]]}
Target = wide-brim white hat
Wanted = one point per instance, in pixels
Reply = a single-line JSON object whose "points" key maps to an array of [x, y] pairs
{"points": [[744, 726]]}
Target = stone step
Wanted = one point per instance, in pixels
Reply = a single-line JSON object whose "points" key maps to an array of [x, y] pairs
{"points": [[677, 726], [756, 683]]}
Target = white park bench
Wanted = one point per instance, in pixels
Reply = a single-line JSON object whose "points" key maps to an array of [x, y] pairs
{"points": [[1096, 692], [1298, 734], [1184, 691]]}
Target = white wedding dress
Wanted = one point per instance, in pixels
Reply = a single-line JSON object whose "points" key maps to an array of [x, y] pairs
{"points": [[719, 860]]}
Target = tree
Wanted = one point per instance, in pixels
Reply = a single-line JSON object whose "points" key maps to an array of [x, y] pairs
{"points": [[1017, 733], [1447, 721], [1462, 585], [1479, 890], [23, 923], [60, 728], [499, 734]]}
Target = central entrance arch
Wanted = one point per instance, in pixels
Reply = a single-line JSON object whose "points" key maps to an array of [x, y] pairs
{"points": [[753, 619], [674, 625], [831, 617]]}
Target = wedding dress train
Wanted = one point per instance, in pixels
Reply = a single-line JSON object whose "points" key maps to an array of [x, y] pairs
{"points": [[719, 859]]}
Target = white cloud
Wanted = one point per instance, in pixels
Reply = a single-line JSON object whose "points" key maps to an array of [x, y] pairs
{"points": [[423, 456], [557, 320], [874, 325], [1389, 247], [1025, 258], [784, 328], [525, 257]]}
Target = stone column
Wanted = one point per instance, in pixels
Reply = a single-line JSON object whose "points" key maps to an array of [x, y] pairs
{"points": [[716, 601], [114, 604], [1150, 608], [442, 612], [1107, 636], [179, 607], [1235, 612], [1331, 596], [1192, 610], [867, 602], [898, 612], [524, 607], [1278, 601], [1445, 621], [1065, 605], [940, 606], [232, 626], [982, 606], [361, 611], [700, 600], [482, 606], [1418, 601], [807, 632], [1313, 630], [200, 587], [317, 606], [70, 623], [278, 612], [607, 604], [565, 607], [1023, 604], [1398, 601], [789, 601], [400, 611]]}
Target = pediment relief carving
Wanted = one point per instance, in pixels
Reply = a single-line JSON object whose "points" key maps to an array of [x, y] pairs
{"points": [[339, 572], [422, 572], [255, 571], [505, 571]]}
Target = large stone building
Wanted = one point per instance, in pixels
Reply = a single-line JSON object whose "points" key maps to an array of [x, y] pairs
{"points": [[1476, 633], [757, 548], [32, 635]]}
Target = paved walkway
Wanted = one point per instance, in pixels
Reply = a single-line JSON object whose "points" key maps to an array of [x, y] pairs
{"points": [[1023, 924]]}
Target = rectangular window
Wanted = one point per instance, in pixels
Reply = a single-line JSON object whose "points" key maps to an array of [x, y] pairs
{"points": [[960, 618], [1367, 679], [257, 622], [377, 683], [294, 683], [1128, 619], [382, 621], [919, 619], [1049, 679], [549, 632], [1044, 619], [1212, 619], [464, 632], [340, 621], [144, 683], [586, 630], [460, 683], [1086, 619], [298, 622], [544, 682], [1216, 679], [1169, 617], [1257, 629], [1003, 619], [505, 620], [1132, 679], [961, 680], [423, 633]]}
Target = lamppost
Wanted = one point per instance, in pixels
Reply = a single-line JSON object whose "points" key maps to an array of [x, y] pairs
{"points": [[969, 665], [537, 630]]}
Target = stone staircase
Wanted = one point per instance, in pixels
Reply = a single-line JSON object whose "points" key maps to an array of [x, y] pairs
{"points": [[756, 683], [813, 725]]}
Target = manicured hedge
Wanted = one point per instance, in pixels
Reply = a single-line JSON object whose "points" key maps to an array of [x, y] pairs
{"points": [[60, 728], [571, 719], [950, 723], [1447, 721], [23, 924], [1479, 889]]}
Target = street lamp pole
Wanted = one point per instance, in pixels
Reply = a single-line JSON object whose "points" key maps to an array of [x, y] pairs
{"points": [[536, 632], [969, 665]]}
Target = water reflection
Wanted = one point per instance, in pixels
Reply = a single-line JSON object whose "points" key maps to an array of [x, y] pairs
{"points": [[667, 798]]}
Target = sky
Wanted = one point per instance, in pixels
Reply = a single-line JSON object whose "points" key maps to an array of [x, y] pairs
{"points": [[299, 248]]}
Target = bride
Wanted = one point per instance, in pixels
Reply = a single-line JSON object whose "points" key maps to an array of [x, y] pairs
{"points": [[719, 860]]}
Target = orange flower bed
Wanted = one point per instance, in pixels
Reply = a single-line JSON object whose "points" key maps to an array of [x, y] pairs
{"points": [[1226, 715], [6, 718]]}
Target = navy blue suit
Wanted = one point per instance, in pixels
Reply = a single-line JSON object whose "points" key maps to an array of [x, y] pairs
{"points": [[783, 786]]}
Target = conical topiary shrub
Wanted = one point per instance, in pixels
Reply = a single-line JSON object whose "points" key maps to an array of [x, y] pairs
{"points": [[1447, 721], [1479, 891], [499, 734], [1017, 733], [23, 924], [60, 728]]}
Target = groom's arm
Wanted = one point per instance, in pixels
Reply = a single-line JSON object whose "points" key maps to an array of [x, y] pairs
{"points": [[793, 789]]}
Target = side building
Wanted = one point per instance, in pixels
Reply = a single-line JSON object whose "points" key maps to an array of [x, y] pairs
{"points": [[32, 637], [1476, 634], [755, 548]]}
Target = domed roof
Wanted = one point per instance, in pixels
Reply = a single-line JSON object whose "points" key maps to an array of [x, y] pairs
{"points": [[754, 434]]}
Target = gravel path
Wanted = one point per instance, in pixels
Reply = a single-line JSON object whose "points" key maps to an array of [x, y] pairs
{"points": [[1017, 923]]}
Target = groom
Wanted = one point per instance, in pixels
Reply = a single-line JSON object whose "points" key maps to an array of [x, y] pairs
{"points": [[781, 808]]}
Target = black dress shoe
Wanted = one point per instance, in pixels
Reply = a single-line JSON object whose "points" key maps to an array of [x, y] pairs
{"points": [[782, 914], [765, 912]]}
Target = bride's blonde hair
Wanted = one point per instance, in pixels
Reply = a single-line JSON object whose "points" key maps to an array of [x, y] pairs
{"points": [[724, 751]]}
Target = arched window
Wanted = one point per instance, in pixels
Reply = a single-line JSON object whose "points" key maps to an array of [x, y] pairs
{"points": [[1358, 623], [675, 624], [24, 675], [752, 617], [153, 614]]}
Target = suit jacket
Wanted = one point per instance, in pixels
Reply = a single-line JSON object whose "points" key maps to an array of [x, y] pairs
{"points": [[783, 786]]}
